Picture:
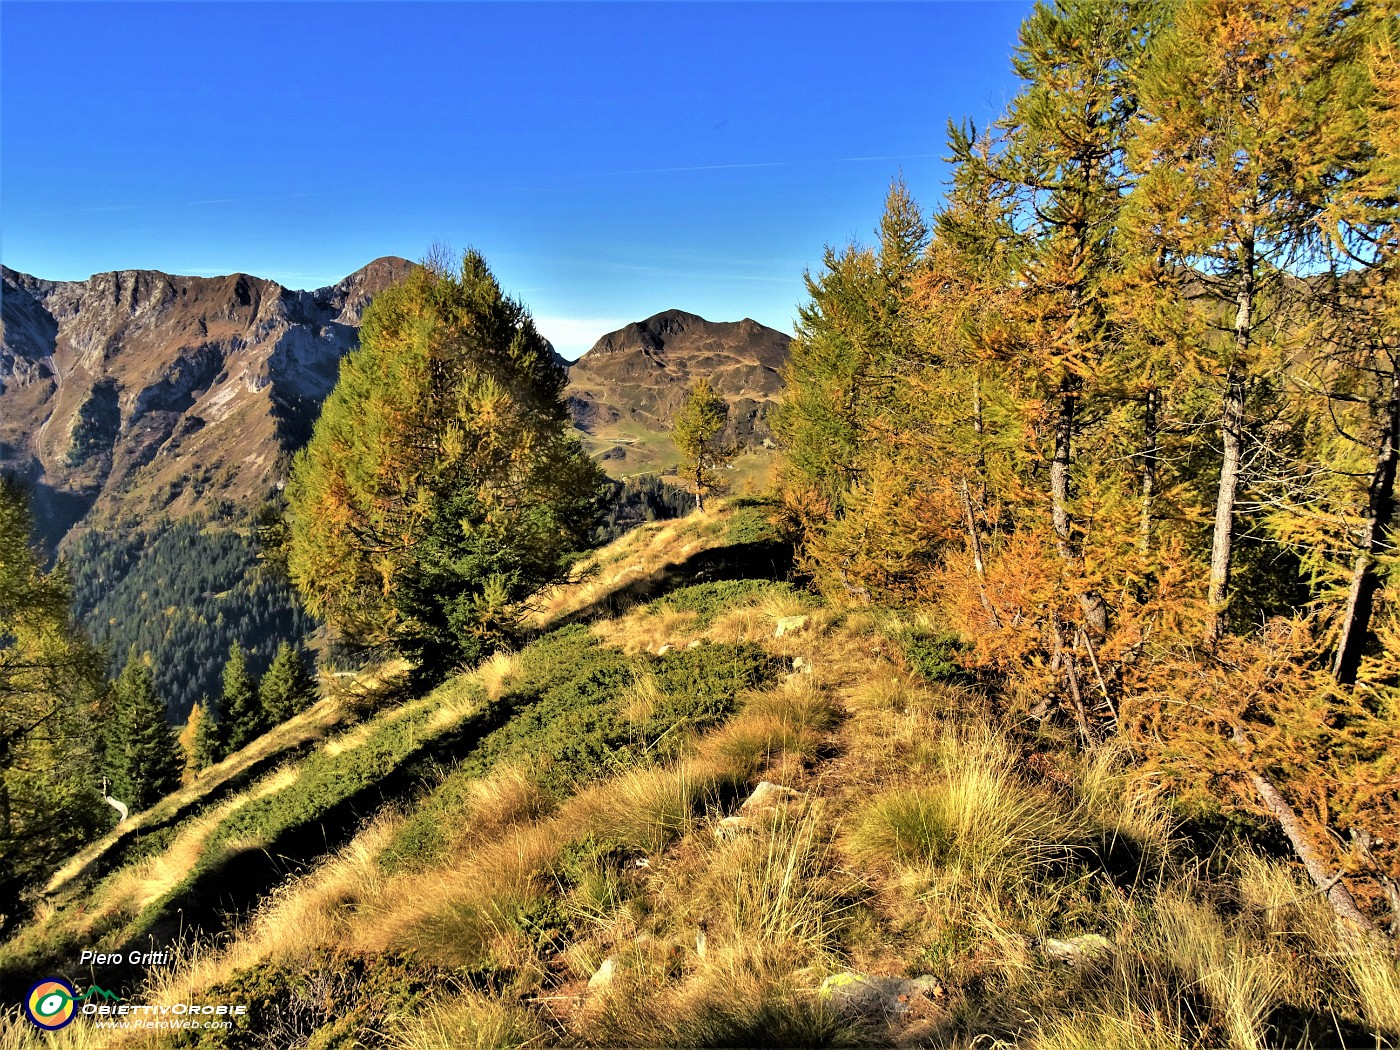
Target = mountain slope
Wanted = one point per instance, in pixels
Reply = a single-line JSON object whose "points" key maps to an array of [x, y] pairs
{"points": [[701, 814], [624, 391], [136, 393]]}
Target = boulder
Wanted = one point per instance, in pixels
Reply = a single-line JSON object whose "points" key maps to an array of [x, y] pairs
{"points": [[731, 828], [604, 977], [768, 796], [1084, 948], [887, 997], [789, 624]]}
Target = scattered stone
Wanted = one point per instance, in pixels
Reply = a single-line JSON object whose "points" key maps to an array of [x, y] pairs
{"points": [[768, 796], [1084, 948], [802, 665], [604, 977], [765, 798], [890, 997], [694, 645], [730, 828], [663, 650], [789, 624]]}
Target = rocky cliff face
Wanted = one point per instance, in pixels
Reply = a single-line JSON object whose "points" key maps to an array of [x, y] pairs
{"points": [[137, 392], [637, 377]]}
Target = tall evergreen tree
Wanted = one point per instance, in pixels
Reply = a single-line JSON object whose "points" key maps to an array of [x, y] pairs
{"points": [[287, 688], [209, 738], [143, 755], [1234, 150], [852, 335], [698, 433], [243, 719], [441, 487], [51, 694]]}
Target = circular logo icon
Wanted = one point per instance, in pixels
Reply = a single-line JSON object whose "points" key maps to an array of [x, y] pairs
{"points": [[51, 1003]]}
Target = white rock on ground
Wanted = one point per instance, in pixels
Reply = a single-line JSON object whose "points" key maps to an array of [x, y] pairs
{"points": [[604, 977], [891, 997], [769, 796], [1084, 948], [730, 828], [765, 798], [789, 624]]}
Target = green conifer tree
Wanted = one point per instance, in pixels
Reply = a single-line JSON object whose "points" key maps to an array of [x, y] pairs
{"points": [[287, 688], [209, 737], [51, 694], [698, 433], [143, 755], [441, 487], [243, 714]]}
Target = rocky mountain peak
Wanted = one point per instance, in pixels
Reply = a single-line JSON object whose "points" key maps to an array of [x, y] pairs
{"points": [[137, 391], [638, 375]]}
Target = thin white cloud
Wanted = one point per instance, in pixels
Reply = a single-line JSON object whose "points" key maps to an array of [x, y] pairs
{"points": [[572, 336], [753, 164]]}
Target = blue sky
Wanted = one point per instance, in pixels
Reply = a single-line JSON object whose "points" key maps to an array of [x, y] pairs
{"points": [[610, 160]]}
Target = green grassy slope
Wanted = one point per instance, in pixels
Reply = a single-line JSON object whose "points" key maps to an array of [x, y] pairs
{"points": [[553, 849]]}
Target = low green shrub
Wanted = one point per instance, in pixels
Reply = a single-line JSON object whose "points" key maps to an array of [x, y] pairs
{"points": [[709, 600], [569, 723]]}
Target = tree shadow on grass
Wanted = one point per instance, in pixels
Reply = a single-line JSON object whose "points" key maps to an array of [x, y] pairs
{"points": [[763, 560]]}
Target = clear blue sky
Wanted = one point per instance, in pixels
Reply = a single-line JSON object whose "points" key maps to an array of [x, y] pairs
{"points": [[610, 160]]}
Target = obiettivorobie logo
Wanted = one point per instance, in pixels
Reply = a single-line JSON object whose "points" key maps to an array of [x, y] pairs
{"points": [[53, 1002]]}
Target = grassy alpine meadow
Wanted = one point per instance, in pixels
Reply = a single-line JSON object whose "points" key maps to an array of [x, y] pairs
{"points": [[558, 848]]}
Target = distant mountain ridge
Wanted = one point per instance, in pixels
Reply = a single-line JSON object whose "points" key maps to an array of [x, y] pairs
{"points": [[638, 375], [137, 392], [137, 395]]}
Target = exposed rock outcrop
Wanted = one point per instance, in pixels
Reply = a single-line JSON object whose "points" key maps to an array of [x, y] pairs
{"points": [[136, 391], [639, 374]]}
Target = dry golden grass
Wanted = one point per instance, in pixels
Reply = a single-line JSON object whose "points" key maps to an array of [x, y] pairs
{"points": [[976, 820], [1242, 979], [643, 552], [758, 621], [925, 842], [649, 631], [16, 1033], [1125, 1028], [509, 794], [470, 1021], [317, 910], [496, 672], [137, 885]]}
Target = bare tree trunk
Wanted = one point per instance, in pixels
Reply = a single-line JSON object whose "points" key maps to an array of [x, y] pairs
{"points": [[1232, 451], [978, 564], [1073, 686], [1380, 514], [1090, 602], [1222, 542], [1338, 896], [1150, 454]]}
